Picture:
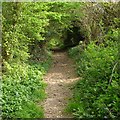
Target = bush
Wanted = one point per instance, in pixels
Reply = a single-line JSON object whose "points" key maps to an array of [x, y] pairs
{"points": [[22, 88], [97, 92]]}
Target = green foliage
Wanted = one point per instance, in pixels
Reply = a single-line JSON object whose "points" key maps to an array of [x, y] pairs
{"points": [[22, 84], [30, 110], [21, 87], [61, 15], [15, 43], [30, 29], [35, 20], [98, 19], [55, 43], [96, 95]]}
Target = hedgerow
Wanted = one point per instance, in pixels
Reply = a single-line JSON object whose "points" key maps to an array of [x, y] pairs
{"points": [[22, 83], [97, 93]]}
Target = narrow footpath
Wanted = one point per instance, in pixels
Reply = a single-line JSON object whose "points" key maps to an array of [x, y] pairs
{"points": [[60, 78]]}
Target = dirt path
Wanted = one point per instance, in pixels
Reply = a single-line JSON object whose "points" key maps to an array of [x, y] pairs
{"points": [[59, 80]]}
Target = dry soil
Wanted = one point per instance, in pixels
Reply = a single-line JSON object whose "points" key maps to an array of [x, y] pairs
{"points": [[60, 78]]}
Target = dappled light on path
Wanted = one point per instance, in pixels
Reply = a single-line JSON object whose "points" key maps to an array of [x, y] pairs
{"points": [[60, 79]]}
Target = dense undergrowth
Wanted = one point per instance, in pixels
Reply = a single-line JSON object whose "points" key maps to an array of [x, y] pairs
{"points": [[24, 63], [97, 93], [23, 89]]}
